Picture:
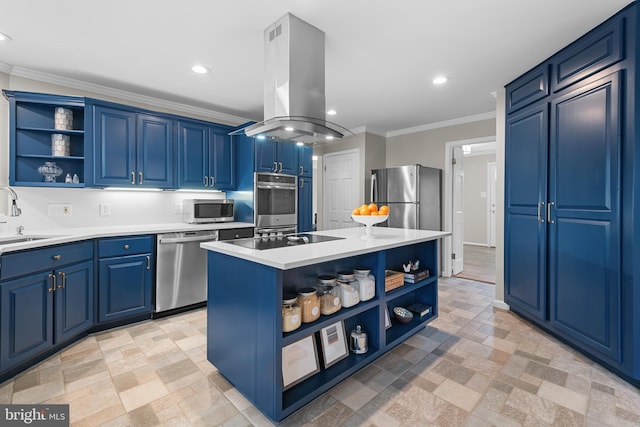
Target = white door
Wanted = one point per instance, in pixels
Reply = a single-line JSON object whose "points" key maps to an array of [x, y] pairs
{"points": [[491, 202], [341, 189], [458, 210]]}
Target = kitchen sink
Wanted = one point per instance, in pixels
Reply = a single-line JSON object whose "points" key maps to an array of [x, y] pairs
{"points": [[21, 239]]}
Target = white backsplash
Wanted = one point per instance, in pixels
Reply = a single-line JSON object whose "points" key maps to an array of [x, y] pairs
{"points": [[126, 207]]}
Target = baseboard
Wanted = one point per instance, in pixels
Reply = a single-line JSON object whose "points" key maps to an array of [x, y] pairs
{"points": [[501, 305]]}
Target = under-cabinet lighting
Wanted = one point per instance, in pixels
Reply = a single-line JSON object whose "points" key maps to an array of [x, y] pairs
{"points": [[193, 190], [261, 137], [299, 143], [131, 189]]}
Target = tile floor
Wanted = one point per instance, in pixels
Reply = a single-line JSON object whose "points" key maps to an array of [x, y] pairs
{"points": [[473, 366]]}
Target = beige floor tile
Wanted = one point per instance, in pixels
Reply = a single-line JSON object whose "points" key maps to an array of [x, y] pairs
{"points": [[142, 394], [459, 395], [352, 393], [564, 397], [39, 393]]}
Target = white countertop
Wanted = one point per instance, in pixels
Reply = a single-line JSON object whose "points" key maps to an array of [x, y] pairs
{"points": [[67, 235], [313, 253]]}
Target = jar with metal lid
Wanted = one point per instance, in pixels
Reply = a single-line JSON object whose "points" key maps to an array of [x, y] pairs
{"points": [[366, 283], [291, 313], [349, 295], [310, 304], [329, 295]]}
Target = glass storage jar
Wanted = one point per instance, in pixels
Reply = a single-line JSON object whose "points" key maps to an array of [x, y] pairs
{"points": [[291, 313], [366, 283], [329, 295], [310, 304], [348, 289]]}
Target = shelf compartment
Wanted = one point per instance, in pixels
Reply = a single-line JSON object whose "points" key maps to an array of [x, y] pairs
{"points": [[42, 115], [409, 287], [398, 332], [31, 142], [26, 170]]}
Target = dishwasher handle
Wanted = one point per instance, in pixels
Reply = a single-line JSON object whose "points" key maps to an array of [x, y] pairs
{"points": [[169, 240]]}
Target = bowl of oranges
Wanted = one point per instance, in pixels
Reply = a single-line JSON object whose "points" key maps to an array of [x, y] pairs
{"points": [[369, 215]]}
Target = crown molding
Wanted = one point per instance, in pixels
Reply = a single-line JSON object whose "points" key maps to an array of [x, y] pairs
{"points": [[368, 129], [122, 94], [443, 124], [5, 68]]}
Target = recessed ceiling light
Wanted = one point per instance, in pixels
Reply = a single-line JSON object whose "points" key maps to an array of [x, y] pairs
{"points": [[4, 38], [329, 137], [440, 80], [331, 112], [200, 69], [289, 129]]}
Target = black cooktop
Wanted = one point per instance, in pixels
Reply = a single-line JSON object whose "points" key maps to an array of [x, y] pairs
{"points": [[273, 242]]}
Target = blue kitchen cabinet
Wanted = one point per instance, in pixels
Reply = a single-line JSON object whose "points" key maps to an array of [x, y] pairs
{"points": [[571, 180], [31, 127], [46, 298], [206, 156], [305, 204], [305, 160], [125, 278], [132, 149], [276, 156]]}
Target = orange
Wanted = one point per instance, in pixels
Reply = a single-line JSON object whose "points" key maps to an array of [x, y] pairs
{"points": [[373, 207], [363, 206], [384, 210], [356, 211], [364, 211], [375, 213]]}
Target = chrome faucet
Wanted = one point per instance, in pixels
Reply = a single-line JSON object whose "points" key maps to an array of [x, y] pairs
{"points": [[15, 210]]}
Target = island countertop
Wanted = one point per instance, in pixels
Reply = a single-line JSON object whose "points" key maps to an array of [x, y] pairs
{"points": [[351, 244]]}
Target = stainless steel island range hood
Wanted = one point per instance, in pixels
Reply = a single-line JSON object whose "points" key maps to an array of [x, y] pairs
{"points": [[294, 98]]}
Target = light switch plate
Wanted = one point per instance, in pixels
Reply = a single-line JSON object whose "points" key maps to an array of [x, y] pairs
{"points": [[105, 209]]}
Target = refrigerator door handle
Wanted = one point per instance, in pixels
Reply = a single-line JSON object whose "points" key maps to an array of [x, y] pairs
{"points": [[373, 186]]}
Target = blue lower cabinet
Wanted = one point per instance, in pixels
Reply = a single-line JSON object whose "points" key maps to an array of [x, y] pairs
{"points": [[26, 325], [74, 301], [124, 287], [44, 309]]}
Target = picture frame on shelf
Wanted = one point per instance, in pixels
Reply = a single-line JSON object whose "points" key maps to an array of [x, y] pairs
{"points": [[299, 362], [333, 342], [387, 318]]}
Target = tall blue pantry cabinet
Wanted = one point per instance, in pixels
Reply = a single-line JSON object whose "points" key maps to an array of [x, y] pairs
{"points": [[571, 167]]}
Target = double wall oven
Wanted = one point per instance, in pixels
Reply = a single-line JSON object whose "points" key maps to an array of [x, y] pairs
{"points": [[275, 203]]}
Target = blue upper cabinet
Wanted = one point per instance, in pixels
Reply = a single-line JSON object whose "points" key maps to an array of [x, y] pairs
{"points": [[275, 156], [305, 160], [33, 128], [132, 149], [206, 157], [528, 88]]}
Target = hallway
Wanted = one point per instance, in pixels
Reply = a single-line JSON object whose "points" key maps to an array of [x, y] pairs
{"points": [[479, 264]]}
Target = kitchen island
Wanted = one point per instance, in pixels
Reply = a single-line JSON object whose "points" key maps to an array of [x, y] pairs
{"points": [[244, 310]]}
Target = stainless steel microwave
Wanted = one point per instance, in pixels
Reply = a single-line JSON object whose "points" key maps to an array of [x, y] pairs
{"points": [[198, 211]]}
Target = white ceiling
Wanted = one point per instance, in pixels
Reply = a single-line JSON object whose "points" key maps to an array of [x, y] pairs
{"points": [[381, 55]]}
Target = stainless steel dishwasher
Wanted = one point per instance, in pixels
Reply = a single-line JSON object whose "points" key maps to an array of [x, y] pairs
{"points": [[181, 269]]}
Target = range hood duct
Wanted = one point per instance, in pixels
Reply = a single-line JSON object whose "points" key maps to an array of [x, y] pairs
{"points": [[294, 97]]}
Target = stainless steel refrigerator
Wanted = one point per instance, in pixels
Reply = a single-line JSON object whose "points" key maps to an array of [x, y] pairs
{"points": [[413, 194]]}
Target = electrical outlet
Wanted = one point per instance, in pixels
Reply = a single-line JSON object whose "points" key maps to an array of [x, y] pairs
{"points": [[105, 209], [59, 209]]}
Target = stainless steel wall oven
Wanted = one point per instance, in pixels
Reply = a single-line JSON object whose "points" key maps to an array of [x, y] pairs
{"points": [[275, 201]]}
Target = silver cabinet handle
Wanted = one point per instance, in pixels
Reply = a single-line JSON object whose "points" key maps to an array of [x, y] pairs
{"points": [[549, 219], [206, 181], [275, 166], [280, 171], [302, 183], [53, 282], [148, 262], [140, 175], [133, 178], [57, 257], [301, 170], [540, 205], [63, 282], [373, 187], [211, 182]]}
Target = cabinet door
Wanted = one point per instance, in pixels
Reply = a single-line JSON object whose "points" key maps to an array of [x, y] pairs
{"points": [[288, 156], [114, 151], [266, 156], [155, 145], [193, 146], [584, 228], [73, 300], [222, 159], [124, 287], [525, 218], [305, 204], [26, 320], [305, 160]]}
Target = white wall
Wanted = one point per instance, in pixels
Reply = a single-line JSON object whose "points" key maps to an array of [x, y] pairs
{"points": [[500, 126], [475, 205]]}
